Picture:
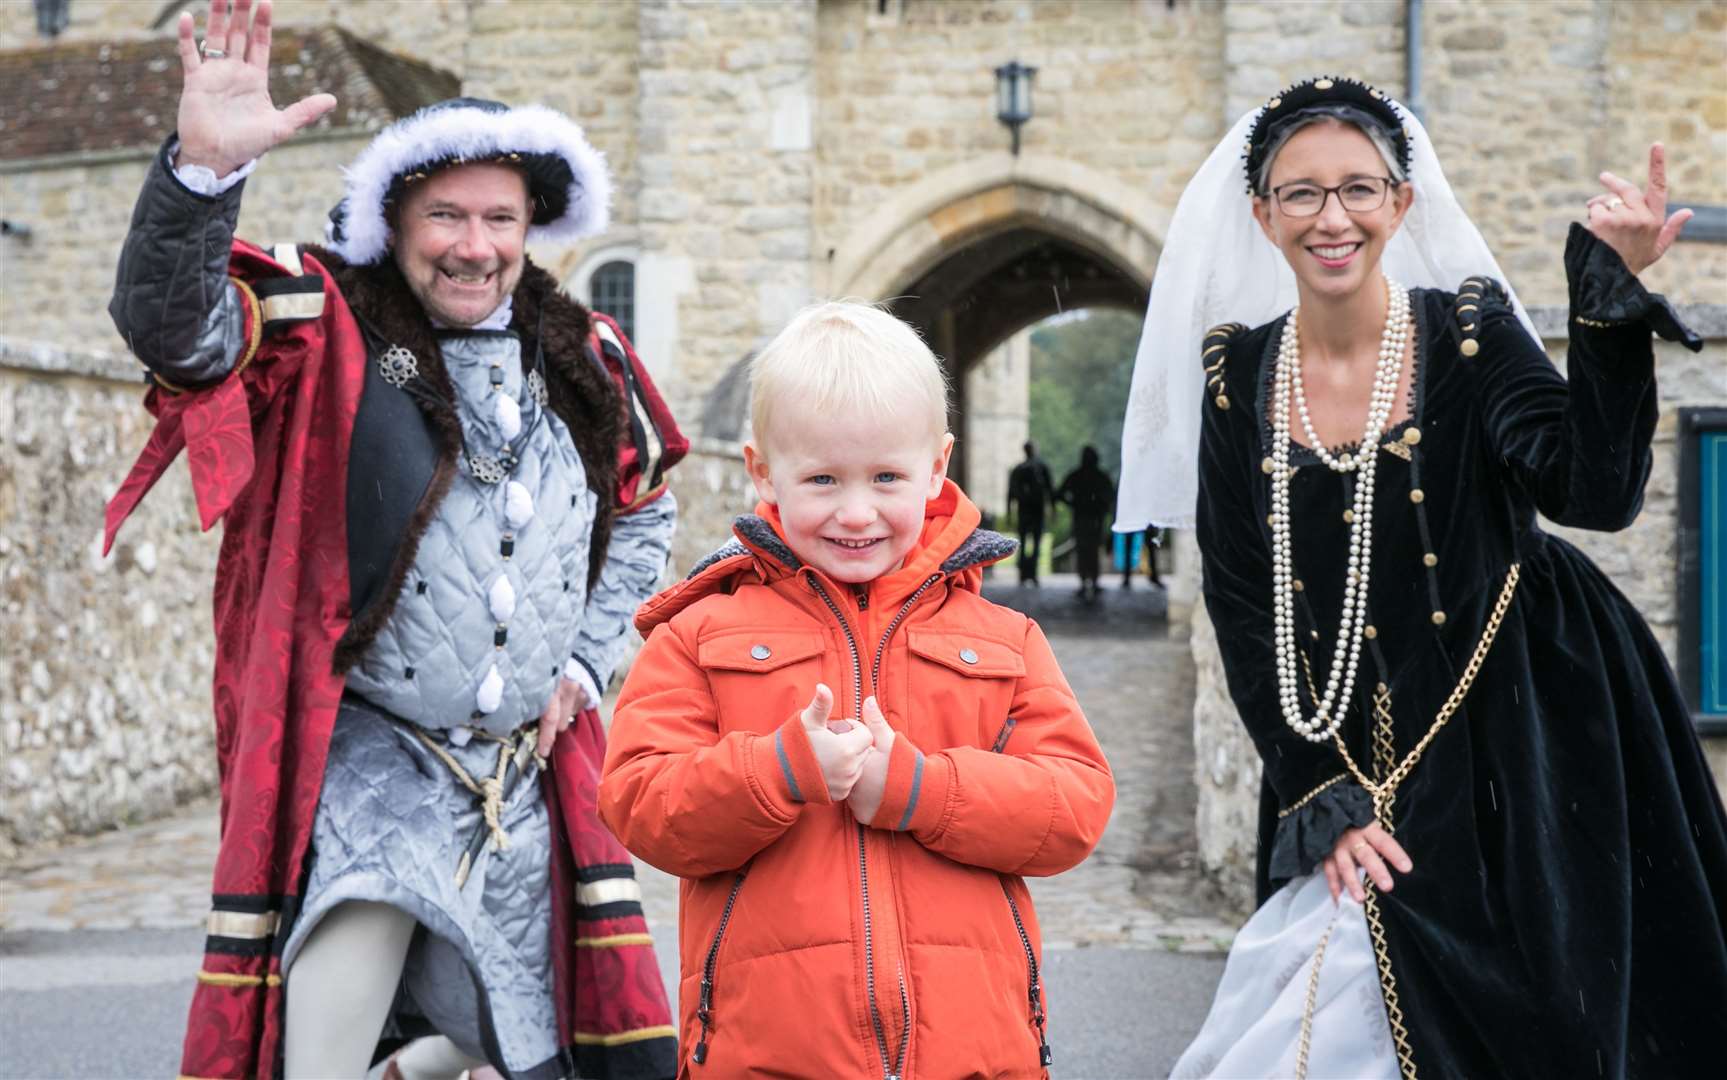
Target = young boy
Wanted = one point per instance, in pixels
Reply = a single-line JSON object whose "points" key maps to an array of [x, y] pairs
{"points": [[850, 756]]}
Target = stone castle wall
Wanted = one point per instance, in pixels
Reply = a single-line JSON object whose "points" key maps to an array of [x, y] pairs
{"points": [[1526, 113], [58, 280], [106, 713], [1126, 90]]}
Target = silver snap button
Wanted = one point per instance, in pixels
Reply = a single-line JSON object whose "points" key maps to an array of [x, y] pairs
{"points": [[968, 656], [761, 652]]}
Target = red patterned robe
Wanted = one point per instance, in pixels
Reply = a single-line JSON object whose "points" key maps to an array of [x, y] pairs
{"points": [[268, 452]]}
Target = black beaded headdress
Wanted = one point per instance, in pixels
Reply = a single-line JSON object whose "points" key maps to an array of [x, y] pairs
{"points": [[1333, 95]]}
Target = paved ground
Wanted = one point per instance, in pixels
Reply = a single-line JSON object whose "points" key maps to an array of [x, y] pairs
{"points": [[100, 935]]}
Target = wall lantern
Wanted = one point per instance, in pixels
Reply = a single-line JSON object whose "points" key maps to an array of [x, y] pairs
{"points": [[1013, 97]]}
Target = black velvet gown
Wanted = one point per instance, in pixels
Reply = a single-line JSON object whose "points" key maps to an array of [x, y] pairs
{"points": [[1565, 916]]}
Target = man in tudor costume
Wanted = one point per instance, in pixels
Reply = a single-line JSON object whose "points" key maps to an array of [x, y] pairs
{"points": [[441, 488]]}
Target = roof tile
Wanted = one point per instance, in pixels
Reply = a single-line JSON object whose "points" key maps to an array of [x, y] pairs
{"points": [[94, 96]]}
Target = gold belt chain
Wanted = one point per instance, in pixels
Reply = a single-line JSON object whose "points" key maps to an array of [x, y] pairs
{"points": [[1305, 1043], [1387, 787], [1383, 792]]}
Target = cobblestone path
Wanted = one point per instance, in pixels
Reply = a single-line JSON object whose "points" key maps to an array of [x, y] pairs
{"points": [[1140, 887]]}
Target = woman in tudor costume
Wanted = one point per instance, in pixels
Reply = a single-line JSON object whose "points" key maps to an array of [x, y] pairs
{"points": [[440, 482], [1489, 843]]}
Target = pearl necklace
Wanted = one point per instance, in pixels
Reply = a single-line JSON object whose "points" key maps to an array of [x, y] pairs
{"points": [[1364, 461]]}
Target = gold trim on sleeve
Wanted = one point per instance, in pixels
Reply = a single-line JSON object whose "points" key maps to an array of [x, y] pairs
{"points": [[223, 978], [608, 891], [299, 305], [243, 924], [614, 941], [254, 336], [666, 1031], [1309, 797]]}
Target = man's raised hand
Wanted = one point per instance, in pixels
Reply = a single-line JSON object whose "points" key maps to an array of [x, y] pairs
{"points": [[840, 752], [226, 116]]}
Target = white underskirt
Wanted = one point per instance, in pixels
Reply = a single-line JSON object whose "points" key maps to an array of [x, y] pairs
{"points": [[1255, 1021]]}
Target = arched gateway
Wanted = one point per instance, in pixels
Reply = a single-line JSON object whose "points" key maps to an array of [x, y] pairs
{"points": [[975, 253]]}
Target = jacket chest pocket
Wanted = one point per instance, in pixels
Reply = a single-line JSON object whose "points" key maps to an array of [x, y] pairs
{"points": [[760, 677], [963, 682]]}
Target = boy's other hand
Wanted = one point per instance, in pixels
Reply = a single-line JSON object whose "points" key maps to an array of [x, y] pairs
{"points": [[866, 794], [841, 752]]}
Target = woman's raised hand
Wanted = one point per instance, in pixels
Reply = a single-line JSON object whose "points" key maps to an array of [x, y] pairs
{"points": [[226, 117], [1370, 848], [1635, 223]]}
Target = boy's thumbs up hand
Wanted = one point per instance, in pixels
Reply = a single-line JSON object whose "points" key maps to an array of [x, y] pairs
{"points": [[820, 707], [881, 736], [866, 794], [840, 746]]}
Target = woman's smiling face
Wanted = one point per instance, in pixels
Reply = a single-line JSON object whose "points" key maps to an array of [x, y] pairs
{"points": [[1336, 251]]}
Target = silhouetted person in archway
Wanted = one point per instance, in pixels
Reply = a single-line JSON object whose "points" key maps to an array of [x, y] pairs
{"points": [[1091, 494], [1030, 488]]}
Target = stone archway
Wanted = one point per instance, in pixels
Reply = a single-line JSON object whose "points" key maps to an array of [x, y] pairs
{"points": [[927, 221], [974, 254]]}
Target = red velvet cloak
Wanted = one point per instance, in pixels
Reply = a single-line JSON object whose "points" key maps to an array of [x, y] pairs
{"points": [[268, 452]]}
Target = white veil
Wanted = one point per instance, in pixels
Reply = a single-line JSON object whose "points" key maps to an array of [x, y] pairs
{"points": [[1218, 267]]}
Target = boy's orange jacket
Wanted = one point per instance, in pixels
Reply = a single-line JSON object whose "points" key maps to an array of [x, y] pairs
{"points": [[812, 944]]}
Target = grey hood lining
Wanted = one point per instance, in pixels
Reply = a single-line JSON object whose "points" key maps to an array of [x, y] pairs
{"points": [[757, 531], [982, 546], [723, 552]]}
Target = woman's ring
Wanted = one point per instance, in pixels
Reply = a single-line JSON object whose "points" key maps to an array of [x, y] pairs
{"points": [[1358, 845], [212, 54], [1614, 203]]}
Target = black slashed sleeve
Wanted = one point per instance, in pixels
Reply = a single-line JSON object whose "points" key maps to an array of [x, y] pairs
{"points": [[173, 302], [1579, 447]]}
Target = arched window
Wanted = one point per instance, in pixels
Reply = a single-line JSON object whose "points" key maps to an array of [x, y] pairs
{"points": [[613, 291]]}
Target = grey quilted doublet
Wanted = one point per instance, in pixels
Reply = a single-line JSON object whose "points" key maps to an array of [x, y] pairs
{"points": [[490, 611]]}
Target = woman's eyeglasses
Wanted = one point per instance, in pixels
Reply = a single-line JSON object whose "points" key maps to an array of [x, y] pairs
{"points": [[1358, 195]]}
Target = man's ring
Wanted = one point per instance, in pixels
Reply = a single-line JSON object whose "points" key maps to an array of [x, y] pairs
{"points": [[1358, 845], [212, 54], [1614, 203]]}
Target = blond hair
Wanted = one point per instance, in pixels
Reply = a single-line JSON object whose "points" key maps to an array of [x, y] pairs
{"points": [[845, 357]]}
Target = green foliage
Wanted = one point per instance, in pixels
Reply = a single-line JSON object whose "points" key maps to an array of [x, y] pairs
{"points": [[1081, 367]]}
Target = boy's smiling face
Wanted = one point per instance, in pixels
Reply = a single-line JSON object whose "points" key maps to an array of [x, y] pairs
{"points": [[851, 492]]}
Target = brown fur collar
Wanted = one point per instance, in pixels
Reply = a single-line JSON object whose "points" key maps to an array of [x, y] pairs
{"points": [[580, 391]]}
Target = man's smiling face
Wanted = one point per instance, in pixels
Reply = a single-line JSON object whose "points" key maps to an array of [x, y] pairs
{"points": [[458, 240]]}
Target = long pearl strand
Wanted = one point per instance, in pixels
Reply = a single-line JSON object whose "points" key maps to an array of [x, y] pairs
{"points": [[1364, 461]]}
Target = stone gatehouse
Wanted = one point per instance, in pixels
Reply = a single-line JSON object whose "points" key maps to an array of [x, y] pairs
{"points": [[766, 154]]}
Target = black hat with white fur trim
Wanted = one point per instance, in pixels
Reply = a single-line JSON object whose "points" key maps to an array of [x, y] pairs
{"points": [[569, 188]]}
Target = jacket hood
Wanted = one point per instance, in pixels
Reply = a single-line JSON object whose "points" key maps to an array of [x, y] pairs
{"points": [[951, 543]]}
